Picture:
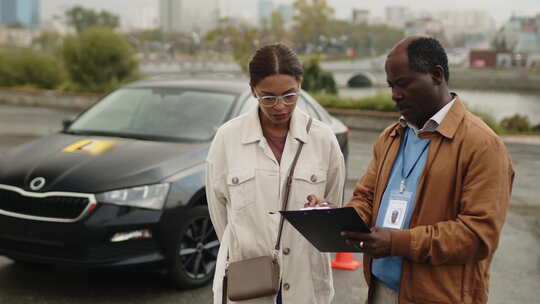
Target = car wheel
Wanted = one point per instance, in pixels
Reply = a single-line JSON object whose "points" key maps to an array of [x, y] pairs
{"points": [[196, 250]]}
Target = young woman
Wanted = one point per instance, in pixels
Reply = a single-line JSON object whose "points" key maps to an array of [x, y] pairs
{"points": [[248, 164]]}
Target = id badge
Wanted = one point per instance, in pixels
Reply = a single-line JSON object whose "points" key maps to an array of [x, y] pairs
{"points": [[397, 209]]}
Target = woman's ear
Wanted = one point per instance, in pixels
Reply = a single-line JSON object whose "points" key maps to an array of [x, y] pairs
{"points": [[300, 82]]}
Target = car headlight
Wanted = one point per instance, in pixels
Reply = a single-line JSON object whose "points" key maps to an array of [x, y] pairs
{"points": [[149, 196]]}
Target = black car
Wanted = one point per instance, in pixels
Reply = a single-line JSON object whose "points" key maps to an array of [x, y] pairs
{"points": [[123, 183]]}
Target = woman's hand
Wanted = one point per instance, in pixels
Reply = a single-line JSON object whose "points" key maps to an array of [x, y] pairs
{"points": [[314, 201]]}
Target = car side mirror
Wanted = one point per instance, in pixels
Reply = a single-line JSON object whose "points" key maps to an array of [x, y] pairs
{"points": [[67, 122]]}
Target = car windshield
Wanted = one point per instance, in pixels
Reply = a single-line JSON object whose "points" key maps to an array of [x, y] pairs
{"points": [[172, 114]]}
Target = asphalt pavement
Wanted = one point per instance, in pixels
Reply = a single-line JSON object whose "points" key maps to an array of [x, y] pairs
{"points": [[515, 272]]}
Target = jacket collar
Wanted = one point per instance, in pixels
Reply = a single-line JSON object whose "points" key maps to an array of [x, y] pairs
{"points": [[252, 130], [452, 121], [448, 125]]}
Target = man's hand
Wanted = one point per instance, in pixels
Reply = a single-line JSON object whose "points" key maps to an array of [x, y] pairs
{"points": [[378, 243]]}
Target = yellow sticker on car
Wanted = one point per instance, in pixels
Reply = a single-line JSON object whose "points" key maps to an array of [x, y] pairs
{"points": [[91, 146]]}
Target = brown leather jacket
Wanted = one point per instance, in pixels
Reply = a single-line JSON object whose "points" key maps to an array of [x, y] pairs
{"points": [[461, 205]]}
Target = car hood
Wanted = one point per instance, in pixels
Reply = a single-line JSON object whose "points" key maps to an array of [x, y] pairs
{"points": [[93, 164]]}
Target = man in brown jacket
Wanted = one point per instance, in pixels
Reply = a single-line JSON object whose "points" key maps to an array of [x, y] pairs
{"points": [[436, 191]]}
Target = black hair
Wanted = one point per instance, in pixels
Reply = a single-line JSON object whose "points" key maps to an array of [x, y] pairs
{"points": [[274, 59], [425, 53]]}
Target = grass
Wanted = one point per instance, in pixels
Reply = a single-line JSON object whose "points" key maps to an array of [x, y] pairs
{"points": [[383, 103], [379, 102]]}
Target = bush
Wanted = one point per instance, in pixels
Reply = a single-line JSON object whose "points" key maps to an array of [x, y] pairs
{"points": [[30, 68], [489, 120], [379, 102], [316, 80], [384, 103], [98, 60], [486, 117], [516, 123]]}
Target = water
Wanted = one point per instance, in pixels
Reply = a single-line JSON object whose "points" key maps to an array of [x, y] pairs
{"points": [[498, 104]]}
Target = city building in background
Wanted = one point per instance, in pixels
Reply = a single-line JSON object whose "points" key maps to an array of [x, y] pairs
{"points": [[425, 26], [517, 44], [458, 28], [527, 41], [56, 24], [490, 59], [397, 16], [19, 37], [21, 14], [515, 28], [287, 13], [139, 18], [265, 9], [188, 16], [360, 16], [467, 28]]}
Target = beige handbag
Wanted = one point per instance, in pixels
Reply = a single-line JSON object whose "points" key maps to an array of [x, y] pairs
{"points": [[258, 277]]}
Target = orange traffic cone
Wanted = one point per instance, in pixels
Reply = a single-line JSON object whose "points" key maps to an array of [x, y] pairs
{"points": [[345, 260]]}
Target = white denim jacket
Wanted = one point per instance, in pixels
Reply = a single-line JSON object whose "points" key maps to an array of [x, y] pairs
{"points": [[245, 183]]}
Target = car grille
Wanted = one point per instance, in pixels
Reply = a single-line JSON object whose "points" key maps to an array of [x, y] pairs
{"points": [[49, 207]]}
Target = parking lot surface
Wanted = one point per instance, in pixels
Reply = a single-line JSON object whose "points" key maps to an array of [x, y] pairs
{"points": [[515, 272]]}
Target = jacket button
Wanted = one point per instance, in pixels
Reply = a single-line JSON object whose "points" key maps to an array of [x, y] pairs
{"points": [[286, 286], [286, 251], [235, 180], [313, 178]]}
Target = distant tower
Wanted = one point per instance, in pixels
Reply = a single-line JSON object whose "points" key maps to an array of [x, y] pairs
{"points": [[287, 12], [24, 13], [168, 9]]}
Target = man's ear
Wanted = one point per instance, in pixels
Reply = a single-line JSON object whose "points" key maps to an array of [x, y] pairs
{"points": [[437, 74], [253, 91]]}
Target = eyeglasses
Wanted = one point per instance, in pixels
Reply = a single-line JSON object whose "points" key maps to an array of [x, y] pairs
{"points": [[270, 101]]}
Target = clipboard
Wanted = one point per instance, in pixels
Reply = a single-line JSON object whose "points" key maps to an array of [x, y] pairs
{"points": [[322, 226]]}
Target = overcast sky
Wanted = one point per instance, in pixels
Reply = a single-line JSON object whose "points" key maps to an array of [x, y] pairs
{"points": [[501, 10]]}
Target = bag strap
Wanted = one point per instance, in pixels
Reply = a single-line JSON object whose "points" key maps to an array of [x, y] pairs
{"points": [[224, 289], [288, 185]]}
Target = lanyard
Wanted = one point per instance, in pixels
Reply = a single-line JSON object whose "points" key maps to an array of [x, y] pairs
{"points": [[403, 176]]}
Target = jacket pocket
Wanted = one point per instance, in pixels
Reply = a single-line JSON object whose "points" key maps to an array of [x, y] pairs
{"points": [[308, 181], [437, 284], [241, 186]]}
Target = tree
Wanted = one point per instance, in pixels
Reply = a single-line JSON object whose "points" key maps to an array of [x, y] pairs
{"points": [[47, 41], [311, 23], [241, 38], [98, 60], [16, 25], [82, 18], [368, 40], [316, 80], [273, 30]]}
